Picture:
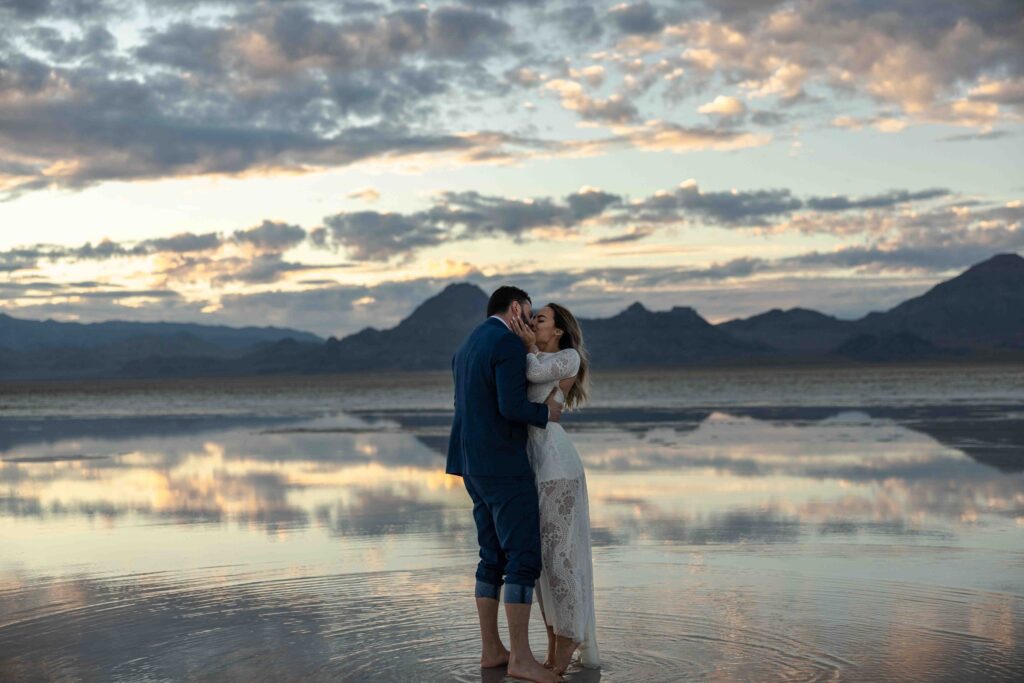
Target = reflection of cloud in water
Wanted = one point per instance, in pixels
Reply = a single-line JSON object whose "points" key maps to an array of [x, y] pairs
{"points": [[715, 477], [388, 512]]}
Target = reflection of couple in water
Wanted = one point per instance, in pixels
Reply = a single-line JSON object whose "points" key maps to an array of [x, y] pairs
{"points": [[513, 374]]}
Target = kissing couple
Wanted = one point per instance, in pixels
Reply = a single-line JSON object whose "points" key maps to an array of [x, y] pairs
{"points": [[513, 373]]}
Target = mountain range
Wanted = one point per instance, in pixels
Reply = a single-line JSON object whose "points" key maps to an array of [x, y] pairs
{"points": [[978, 315]]}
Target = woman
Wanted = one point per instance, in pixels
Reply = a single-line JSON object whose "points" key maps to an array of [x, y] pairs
{"points": [[565, 589]]}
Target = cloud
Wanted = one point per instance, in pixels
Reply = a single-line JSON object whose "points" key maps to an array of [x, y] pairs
{"points": [[380, 236], [272, 88], [294, 88], [891, 198], [631, 235], [266, 268], [973, 137], [375, 236], [613, 109], [724, 105], [918, 56], [271, 235], [733, 207], [636, 19], [366, 194]]}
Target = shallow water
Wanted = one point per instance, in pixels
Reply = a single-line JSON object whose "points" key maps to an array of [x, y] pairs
{"points": [[805, 525]]}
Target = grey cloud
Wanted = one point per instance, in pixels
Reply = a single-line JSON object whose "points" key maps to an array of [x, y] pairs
{"points": [[755, 206], [631, 236], [376, 236], [356, 7], [95, 41], [891, 198], [640, 18], [925, 20], [200, 113], [740, 8], [592, 203], [579, 22], [181, 243], [768, 118], [267, 236], [56, 9], [104, 250], [186, 46], [464, 33], [271, 235], [265, 268], [972, 137]]}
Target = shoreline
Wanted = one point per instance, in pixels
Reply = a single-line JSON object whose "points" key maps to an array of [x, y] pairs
{"points": [[425, 377]]}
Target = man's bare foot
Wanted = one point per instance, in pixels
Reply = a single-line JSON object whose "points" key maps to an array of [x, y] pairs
{"points": [[492, 658], [531, 670], [564, 649]]}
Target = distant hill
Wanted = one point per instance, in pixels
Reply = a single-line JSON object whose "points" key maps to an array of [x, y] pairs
{"points": [[33, 335], [976, 315], [32, 349], [888, 347], [983, 307], [425, 340], [639, 337], [797, 330]]}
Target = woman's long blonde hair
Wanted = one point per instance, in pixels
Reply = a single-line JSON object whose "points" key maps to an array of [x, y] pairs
{"points": [[572, 337]]}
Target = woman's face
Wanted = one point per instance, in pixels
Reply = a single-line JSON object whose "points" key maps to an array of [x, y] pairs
{"points": [[543, 325]]}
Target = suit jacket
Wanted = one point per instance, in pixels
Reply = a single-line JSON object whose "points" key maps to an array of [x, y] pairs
{"points": [[488, 437]]}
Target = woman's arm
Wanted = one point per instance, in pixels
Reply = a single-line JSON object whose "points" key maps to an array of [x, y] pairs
{"points": [[560, 365]]}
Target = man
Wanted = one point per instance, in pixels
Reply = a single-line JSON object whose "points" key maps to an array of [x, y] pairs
{"points": [[487, 449]]}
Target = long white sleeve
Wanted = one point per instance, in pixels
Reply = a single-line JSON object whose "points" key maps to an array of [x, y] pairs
{"points": [[552, 366]]}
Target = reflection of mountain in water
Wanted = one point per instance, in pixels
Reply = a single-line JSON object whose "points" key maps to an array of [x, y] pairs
{"points": [[984, 433], [990, 434]]}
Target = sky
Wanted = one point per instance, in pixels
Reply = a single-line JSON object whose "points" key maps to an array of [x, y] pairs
{"points": [[329, 165]]}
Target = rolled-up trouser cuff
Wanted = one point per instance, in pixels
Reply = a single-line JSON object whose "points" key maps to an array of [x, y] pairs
{"points": [[487, 590], [515, 592]]}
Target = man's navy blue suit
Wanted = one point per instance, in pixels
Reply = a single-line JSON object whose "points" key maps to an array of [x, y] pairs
{"points": [[487, 448]]}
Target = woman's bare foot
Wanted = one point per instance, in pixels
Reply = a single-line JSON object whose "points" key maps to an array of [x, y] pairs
{"points": [[495, 657], [564, 649], [531, 670], [550, 661]]}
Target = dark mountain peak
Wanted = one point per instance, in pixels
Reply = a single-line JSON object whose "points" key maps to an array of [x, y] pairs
{"points": [[679, 317], [454, 302], [1008, 263], [635, 308], [795, 314], [462, 289], [981, 307], [688, 316], [1002, 271]]}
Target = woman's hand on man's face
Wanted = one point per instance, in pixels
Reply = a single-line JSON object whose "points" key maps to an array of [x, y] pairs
{"points": [[523, 331]]}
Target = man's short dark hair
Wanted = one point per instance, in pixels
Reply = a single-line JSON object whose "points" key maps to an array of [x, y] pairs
{"points": [[503, 297]]}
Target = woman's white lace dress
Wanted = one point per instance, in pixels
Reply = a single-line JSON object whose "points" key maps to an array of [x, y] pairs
{"points": [[565, 589]]}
